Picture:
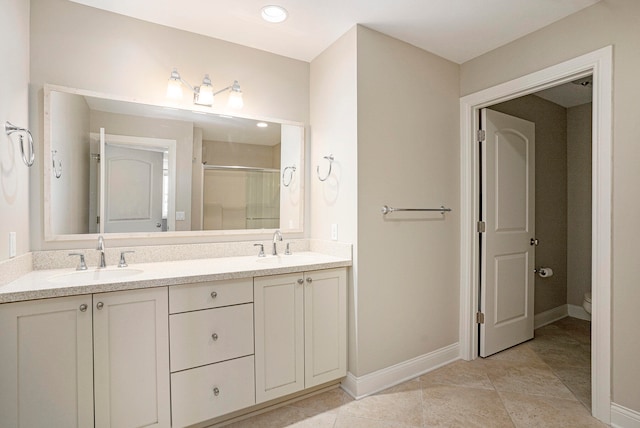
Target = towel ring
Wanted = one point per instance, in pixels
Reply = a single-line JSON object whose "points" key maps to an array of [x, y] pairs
{"points": [[284, 172], [330, 159], [10, 128], [56, 171]]}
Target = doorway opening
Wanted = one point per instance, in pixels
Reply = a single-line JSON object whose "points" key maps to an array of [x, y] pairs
{"points": [[599, 65]]}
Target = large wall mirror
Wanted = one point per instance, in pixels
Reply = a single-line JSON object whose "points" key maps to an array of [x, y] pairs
{"points": [[122, 167]]}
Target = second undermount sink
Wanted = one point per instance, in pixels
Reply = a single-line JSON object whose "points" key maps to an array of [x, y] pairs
{"points": [[283, 259], [85, 276]]}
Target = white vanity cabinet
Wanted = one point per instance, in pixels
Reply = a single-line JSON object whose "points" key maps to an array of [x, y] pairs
{"points": [[57, 353], [212, 363], [300, 331]]}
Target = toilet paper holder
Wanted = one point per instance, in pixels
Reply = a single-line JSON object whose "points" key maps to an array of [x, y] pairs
{"points": [[543, 272]]}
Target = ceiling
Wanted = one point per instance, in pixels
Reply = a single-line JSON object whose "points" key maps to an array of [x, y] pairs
{"points": [[457, 30], [570, 94]]}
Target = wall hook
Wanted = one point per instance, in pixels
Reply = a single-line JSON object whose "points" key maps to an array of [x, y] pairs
{"points": [[284, 172], [330, 159], [10, 128], [57, 171]]}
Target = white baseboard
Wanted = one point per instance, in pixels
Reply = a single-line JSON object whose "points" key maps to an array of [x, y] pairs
{"points": [[360, 387], [576, 311], [621, 417], [552, 315]]}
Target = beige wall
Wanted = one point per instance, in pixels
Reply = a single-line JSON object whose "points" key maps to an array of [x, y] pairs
{"points": [[578, 203], [407, 157], [334, 131], [235, 154], [608, 22], [14, 177], [404, 152], [82, 47], [551, 194], [70, 138]]}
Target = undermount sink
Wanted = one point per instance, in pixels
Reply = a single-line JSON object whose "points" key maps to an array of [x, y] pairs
{"points": [[282, 259], [83, 276]]}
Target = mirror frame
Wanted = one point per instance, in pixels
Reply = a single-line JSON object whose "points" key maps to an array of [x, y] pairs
{"points": [[239, 234]]}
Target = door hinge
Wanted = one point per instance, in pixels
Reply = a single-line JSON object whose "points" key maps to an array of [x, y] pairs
{"points": [[479, 318], [98, 220], [482, 227], [481, 134]]}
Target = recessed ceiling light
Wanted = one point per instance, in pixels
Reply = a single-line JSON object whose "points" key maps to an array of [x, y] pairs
{"points": [[273, 13], [261, 125]]}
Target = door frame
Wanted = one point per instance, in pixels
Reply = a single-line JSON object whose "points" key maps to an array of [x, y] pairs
{"points": [[599, 63]]}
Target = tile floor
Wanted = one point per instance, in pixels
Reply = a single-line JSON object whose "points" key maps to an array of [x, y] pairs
{"points": [[541, 383]]}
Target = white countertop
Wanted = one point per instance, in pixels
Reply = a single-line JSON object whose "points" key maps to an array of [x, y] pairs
{"points": [[41, 284]]}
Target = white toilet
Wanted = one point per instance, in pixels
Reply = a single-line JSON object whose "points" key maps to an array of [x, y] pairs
{"points": [[586, 303]]}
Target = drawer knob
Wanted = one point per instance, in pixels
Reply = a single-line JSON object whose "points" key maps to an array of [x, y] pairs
{"points": [[214, 294], [100, 305], [216, 391], [214, 336], [300, 281], [309, 280]]}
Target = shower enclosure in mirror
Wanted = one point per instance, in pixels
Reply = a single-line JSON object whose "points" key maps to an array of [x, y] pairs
{"points": [[136, 168]]}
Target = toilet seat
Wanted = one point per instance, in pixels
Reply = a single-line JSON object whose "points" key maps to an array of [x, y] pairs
{"points": [[586, 303]]}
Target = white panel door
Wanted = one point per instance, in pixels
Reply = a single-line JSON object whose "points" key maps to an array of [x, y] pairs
{"points": [[133, 189], [131, 358], [325, 325], [507, 273], [279, 335], [46, 369]]}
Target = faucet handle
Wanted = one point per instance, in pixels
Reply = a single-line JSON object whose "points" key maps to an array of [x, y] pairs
{"points": [[287, 252], [123, 262], [82, 265], [261, 253]]}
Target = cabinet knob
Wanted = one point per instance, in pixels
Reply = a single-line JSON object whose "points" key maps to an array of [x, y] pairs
{"points": [[100, 305], [214, 336], [83, 307], [214, 294], [216, 391], [309, 280], [300, 281]]}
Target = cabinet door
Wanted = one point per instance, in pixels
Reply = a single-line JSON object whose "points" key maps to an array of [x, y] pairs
{"points": [[325, 324], [131, 358], [279, 335], [46, 370]]}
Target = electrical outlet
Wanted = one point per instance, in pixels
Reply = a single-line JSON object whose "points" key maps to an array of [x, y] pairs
{"points": [[12, 244], [334, 232]]}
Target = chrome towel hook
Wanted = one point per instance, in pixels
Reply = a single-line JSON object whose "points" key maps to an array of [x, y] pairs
{"points": [[10, 128], [284, 172], [330, 159], [57, 171]]}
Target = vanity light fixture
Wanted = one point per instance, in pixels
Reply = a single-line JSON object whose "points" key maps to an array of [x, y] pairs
{"points": [[274, 13], [203, 95]]}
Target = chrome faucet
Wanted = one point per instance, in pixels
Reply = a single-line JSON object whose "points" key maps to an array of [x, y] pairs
{"points": [[100, 248], [277, 236]]}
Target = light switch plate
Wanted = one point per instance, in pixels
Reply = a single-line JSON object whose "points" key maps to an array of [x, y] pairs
{"points": [[12, 244], [179, 215]]}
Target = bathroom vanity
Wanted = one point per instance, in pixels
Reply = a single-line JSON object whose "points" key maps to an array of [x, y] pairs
{"points": [[170, 344]]}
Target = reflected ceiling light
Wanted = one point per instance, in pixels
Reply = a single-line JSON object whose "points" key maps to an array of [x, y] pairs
{"points": [[274, 13], [262, 125], [203, 95]]}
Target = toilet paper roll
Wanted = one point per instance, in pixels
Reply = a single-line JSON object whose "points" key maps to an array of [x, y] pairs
{"points": [[545, 272]]}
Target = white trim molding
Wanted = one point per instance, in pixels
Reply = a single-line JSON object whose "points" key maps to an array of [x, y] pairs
{"points": [[599, 64], [576, 311], [552, 315], [363, 386], [621, 417]]}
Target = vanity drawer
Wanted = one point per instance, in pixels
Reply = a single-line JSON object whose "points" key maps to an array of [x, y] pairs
{"points": [[209, 336], [212, 294], [207, 392]]}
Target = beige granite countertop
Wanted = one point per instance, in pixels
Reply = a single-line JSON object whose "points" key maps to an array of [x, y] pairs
{"points": [[41, 284]]}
